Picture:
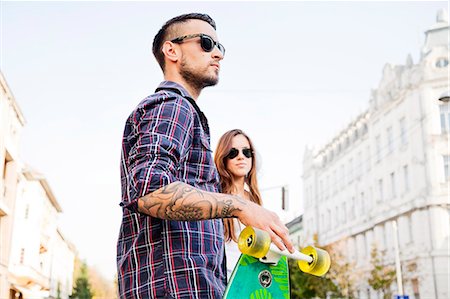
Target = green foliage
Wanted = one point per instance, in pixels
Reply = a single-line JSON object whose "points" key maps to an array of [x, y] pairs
{"points": [[339, 282], [305, 286], [82, 288], [382, 276]]}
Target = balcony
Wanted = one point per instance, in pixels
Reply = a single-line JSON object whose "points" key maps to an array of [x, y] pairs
{"points": [[27, 276]]}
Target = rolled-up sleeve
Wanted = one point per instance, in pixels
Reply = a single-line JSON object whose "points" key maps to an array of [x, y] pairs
{"points": [[158, 137]]}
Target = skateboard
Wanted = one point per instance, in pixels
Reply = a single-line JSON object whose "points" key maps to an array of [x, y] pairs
{"points": [[262, 270]]}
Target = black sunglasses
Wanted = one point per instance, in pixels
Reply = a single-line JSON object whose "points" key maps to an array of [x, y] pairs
{"points": [[248, 153], [207, 43]]}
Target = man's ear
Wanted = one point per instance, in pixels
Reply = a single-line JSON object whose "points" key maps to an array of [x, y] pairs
{"points": [[171, 51]]}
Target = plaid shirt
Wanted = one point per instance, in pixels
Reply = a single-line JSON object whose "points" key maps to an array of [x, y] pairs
{"points": [[166, 139]]}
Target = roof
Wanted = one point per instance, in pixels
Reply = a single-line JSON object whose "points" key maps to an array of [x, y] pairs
{"points": [[33, 175]]}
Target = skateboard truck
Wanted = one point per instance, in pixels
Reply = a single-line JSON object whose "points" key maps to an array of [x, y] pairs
{"points": [[257, 243]]}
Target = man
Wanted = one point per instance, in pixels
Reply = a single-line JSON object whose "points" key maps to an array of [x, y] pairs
{"points": [[171, 241]]}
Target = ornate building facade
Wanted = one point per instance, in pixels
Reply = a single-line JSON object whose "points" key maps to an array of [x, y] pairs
{"points": [[389, 168]]}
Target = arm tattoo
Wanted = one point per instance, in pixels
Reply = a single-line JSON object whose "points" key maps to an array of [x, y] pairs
{"points": [[180, 201]]}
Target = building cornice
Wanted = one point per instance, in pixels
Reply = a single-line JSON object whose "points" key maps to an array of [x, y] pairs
{"points": [[10, 98]]}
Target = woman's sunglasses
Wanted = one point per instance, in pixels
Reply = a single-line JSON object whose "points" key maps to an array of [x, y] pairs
{"points": [[248, 153], [207, 43]]}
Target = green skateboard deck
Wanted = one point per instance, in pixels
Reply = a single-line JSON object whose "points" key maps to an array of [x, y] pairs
{"points": [[252, 279]]}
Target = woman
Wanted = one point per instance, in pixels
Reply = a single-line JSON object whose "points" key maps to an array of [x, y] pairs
{"points": [[236, 164]]}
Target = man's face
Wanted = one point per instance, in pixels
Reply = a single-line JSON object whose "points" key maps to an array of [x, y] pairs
{"points": [[198, 67]]}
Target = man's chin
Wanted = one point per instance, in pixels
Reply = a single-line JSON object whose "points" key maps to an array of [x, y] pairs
{"points": [[211, 81]]}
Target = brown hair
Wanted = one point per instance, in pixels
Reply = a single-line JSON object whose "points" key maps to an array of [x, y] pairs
{"points": [[164, 32], [226, 178]]}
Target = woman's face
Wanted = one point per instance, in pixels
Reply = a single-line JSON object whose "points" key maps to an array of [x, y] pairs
{"points": [[240, 165]]}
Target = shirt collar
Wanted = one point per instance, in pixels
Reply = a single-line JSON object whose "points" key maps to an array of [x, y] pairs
{"points": [[176, 87]]}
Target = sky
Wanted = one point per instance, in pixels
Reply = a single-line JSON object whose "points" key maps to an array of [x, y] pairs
{"points": [[294, 75]]}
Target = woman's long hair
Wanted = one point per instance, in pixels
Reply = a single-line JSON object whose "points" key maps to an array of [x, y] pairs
{"points": [[226, 178]]}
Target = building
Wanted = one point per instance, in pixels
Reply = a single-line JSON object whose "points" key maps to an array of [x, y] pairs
{"points": [[295, 227], [391, 166], [36, 261], [62, 267], [34, 237], [11, 124]]}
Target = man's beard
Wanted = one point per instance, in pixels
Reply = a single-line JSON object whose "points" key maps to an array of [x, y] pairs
{"points": [[197, 79]]}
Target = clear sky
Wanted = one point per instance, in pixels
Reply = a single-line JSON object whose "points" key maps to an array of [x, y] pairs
{"points": [[295, 74]]}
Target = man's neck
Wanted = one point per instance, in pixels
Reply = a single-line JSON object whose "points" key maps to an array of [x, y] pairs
{"points": [[193, 92]]}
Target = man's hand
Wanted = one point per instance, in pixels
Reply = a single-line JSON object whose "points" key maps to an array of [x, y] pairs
{"points": [[182, 202], [259, 217]]}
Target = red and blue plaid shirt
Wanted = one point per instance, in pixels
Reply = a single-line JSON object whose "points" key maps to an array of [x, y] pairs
{"points": [[166, 139]]}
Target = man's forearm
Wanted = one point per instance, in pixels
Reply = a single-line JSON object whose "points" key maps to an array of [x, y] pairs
{"points": [[180, 201]]}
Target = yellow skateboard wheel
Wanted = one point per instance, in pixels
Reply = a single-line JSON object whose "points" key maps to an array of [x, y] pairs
{"points": [[254, 242], [320, 264]]}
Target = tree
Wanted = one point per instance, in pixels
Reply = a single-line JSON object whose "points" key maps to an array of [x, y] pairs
{"points": [[342, 272], [82, 288], [306, 286], [339, 282], [101, 286], [382, 276]]}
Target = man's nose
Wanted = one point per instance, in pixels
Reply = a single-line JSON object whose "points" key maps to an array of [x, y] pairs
{"points": [[217, 54]]}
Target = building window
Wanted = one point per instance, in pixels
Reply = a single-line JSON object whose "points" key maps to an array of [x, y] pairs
{"points": [[22, 255], [363, 244], [380, 236], [402, 124], [320, 190], [336, 180], [441, 62], [350, 170], [359, 163], [393, 187], [5, 164], [322, 222], [408, 230], [446, 159], [342, 178], [352, 208], [337, 216], [27, 211], [344, 212], [406, 177], [380, 190], [378, 147], [368, 159], [362, 203], [445, 118], [328, 219], [390, 139]]}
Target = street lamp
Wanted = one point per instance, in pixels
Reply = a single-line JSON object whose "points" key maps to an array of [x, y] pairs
{"points": [[445, 97]]}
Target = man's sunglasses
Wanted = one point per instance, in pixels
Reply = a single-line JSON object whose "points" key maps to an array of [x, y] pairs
{"points": [[248, 153], [206, 42]]}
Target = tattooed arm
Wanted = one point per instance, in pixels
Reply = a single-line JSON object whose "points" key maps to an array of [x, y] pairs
{"points": [[182, 202]]}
